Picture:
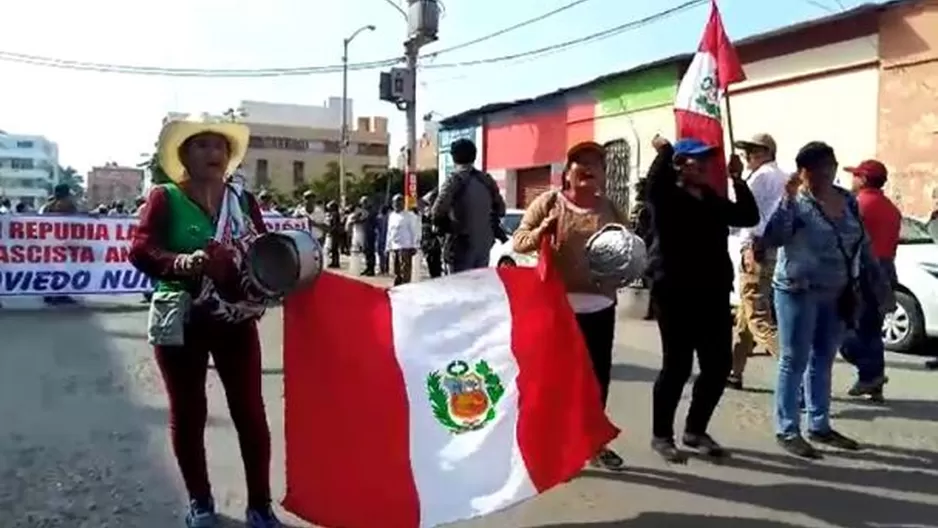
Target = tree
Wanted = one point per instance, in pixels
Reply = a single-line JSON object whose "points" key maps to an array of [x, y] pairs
{"points": [[379, 186], [76, 183], [154, 169], [391, 182]]}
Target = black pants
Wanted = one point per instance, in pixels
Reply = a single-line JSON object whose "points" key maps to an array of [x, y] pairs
{"points": [[689, 320], [371, 257], [434, 259], [334, 249], [598, 329]]}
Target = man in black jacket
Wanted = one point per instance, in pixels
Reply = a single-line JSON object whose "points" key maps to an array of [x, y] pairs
{"points": [[692, 277], [467, 211]]}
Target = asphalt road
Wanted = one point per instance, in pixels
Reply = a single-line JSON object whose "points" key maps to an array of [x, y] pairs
{"points": [[83, 442]]}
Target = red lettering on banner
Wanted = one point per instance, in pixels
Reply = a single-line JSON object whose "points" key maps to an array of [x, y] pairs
{"points": [[125, 232], [46, 230], [36, 254], [116, 254]]}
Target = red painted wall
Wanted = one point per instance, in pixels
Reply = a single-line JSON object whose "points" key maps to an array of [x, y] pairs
{"points": [[580, 121], [528, 140]]}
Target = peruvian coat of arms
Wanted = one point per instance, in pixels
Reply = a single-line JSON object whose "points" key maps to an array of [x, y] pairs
{"points": [[708, 98], [463, 398]]}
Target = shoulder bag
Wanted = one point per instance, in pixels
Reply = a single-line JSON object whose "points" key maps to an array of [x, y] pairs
{"points": [[848, 301]]}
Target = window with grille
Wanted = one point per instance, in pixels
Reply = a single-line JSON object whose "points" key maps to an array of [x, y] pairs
{"points": [[261, 174], [618, 164], [298, 177]]}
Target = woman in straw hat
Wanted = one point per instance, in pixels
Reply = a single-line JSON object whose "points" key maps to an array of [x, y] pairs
{"points": [[191, 240]]}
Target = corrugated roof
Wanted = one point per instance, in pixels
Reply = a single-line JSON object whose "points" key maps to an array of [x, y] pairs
{"points": [[490, 108]]}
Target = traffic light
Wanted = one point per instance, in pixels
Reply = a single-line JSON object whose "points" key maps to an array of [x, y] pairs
{"points": [[396, 86]]}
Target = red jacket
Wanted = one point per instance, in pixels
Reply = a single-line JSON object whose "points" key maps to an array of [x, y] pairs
{"points": [[882, 221]]}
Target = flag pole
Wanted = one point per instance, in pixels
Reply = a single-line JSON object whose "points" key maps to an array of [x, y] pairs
{"points": [[729, 117]]}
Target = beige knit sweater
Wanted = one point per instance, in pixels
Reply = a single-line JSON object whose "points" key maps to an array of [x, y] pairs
{"points": [[574, 227]]}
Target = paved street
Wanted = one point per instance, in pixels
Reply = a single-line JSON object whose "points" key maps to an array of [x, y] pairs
{"points": [[83, 442]]}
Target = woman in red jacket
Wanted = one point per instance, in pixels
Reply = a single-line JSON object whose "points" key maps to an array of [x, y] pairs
{"points": [[191, 241]]}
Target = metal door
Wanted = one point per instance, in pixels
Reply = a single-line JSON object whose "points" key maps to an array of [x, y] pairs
{"points": [[618, 168]]}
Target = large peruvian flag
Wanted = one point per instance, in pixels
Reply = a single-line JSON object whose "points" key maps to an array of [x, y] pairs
{"points": [[435, 401], [697, 107]]}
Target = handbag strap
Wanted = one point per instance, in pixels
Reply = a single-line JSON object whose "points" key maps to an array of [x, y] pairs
{"points": [[848, 259]]}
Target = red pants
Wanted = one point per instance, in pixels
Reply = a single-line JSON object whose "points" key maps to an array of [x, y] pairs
{"points": [[236, 352]]}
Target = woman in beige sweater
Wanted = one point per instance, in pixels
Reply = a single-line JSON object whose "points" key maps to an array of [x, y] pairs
{"points": [[571, 216]]}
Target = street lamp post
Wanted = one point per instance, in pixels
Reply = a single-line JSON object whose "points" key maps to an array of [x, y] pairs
{"points": [[343, 133]]}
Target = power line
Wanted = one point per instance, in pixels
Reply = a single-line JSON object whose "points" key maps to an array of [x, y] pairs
{"points": [[509, 29], [611, 32], [51, 62], [36, 60]]}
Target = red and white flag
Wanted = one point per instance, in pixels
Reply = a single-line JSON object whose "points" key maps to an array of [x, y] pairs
{"points": [[698, 105], [435, 401]]}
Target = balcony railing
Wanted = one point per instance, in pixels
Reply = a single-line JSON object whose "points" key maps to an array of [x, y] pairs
{"points": [[11, 192]]}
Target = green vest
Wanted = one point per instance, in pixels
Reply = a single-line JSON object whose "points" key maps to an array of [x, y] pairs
{"points": [[190, 228]]}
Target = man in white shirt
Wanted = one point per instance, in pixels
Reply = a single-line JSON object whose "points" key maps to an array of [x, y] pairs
{"points": [[755, 324], [403, 239], [315, 213], [267, 204]]}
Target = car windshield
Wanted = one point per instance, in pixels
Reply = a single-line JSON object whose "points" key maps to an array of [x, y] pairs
{"points": [[914, 232], [510, 222]]}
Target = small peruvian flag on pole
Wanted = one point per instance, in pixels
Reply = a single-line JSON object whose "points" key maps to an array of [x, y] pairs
{"points": [[697, 107]]}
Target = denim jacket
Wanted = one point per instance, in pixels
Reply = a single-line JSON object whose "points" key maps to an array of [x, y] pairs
{"points": [[809, 257]]}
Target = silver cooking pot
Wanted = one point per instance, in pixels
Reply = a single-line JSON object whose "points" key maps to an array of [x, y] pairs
{"points": [[616, 255], [279, 263]]}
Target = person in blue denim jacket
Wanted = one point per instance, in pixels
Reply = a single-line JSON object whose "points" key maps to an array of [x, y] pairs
{"points": [[822, 248]]}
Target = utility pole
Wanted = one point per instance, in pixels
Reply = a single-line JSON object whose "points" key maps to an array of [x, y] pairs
{"points": [[410, 178], [343, 132], [399, 86]]}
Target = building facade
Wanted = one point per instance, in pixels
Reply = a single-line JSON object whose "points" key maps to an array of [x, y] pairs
{"points": [[292, 145], [865, 81], [427, 150], [29, 168], [112, 183], [815, 82]]}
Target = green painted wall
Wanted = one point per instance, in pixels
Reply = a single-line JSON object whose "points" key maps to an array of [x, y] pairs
{"points": [[637, 91]]}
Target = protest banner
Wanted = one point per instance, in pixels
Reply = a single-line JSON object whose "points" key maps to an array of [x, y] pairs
{"points": [[78, 255]]}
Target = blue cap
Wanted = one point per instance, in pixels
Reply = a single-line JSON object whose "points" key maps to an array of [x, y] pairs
{"points": [[692, 147]]}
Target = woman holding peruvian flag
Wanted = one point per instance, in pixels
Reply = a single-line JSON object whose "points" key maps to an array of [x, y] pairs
{"points": [[572, 216]]}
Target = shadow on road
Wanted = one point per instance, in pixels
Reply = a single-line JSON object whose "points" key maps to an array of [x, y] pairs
{"points": [[921, 410], [835, 504], [633, 373], [907, 477], [677, 520], [75, 450]]}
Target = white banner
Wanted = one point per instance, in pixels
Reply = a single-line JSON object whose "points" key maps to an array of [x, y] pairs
{"points": [[78, 255]]}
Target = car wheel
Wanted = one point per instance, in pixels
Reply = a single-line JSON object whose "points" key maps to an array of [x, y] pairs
{"points": [[904, 328], [506, 262]]}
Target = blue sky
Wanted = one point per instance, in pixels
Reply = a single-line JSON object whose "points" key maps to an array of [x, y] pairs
{"points": [[98, 117]]}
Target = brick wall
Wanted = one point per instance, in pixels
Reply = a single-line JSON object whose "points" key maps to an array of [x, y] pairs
{"points": [[908, 104]]}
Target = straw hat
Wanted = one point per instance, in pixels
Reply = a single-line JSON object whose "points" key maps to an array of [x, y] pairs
{"points": [[177, 131]]}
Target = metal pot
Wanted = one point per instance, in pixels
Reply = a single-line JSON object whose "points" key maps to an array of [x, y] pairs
{"points": [[616, 255], [279, 263]]}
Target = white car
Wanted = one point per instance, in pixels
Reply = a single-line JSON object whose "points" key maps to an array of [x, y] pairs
{"points": [[502, 254], [916, 317]]}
